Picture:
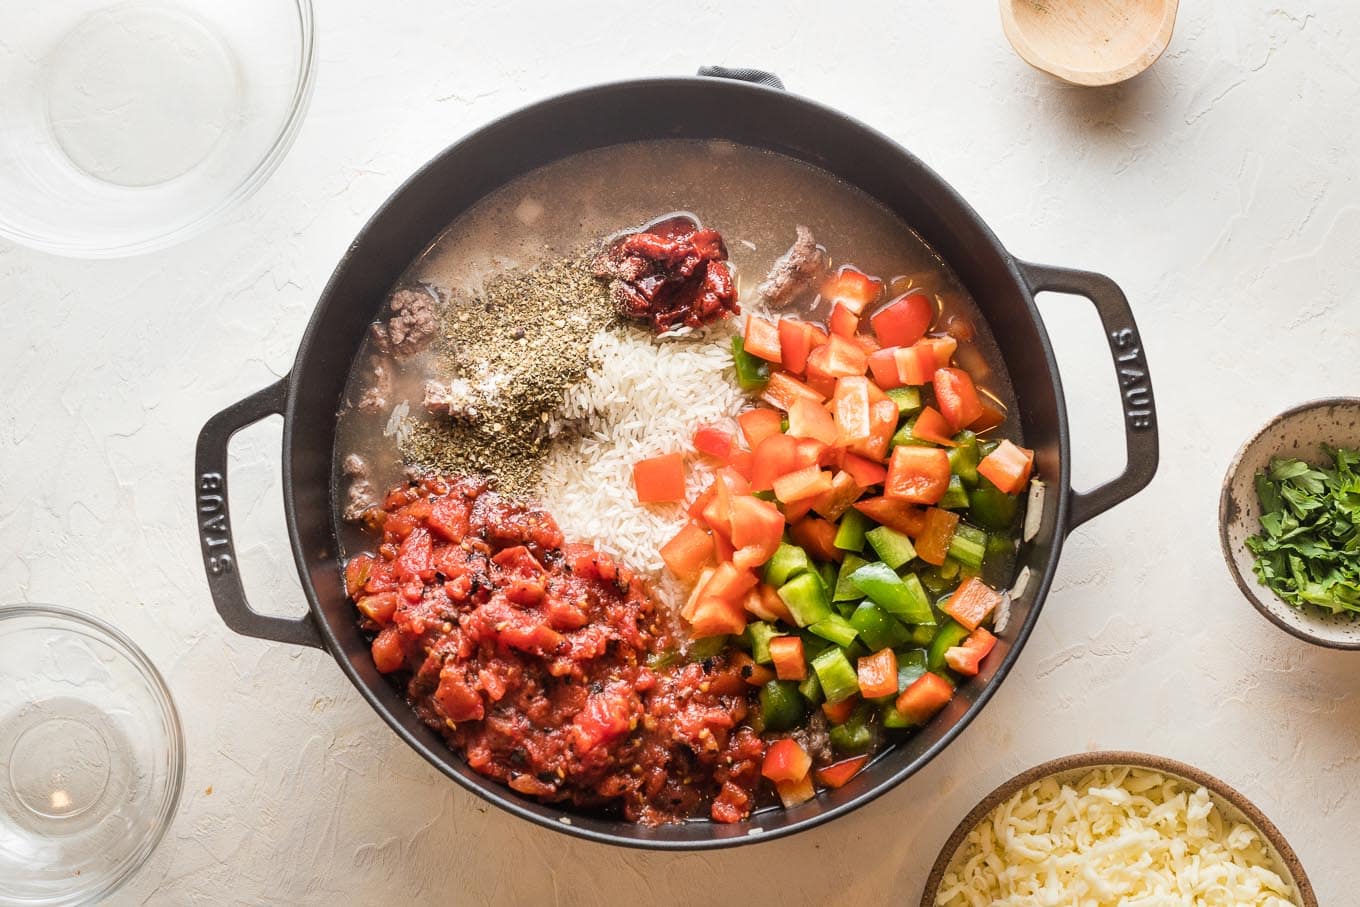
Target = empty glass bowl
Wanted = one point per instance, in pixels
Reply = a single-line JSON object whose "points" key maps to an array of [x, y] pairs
{"points": [[91, 757], [125, 127]]}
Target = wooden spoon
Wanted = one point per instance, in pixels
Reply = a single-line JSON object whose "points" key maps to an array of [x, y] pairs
{"points": [[1089, 42]]}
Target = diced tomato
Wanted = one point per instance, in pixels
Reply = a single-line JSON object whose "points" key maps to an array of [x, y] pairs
{"points": [[837, 499], [811, 420], [882, 424], [714, 441], [415, 558], [903, 321], [660, 479], [754, 674], [843, 322], [852, 288], [713, 616], [878, 674], [787, 654], [765, 603], [782, 389], [972, 602], [883, 366], [449, 518], [785, 760], [758, 424], [387, 653], [379, 608], [792, 793], [688, 552], [906, 518], [931, 426], [838, 358], [851, 403], [957, 397], [991, 418], [1008, 467], [840, 712], [775, 456], [817, 537], [967, 658], [762, 339], [915, 364], [926, 696], [865, 472], [838, 773], [757, 527], [918, 475], [937, 529], [357, 571], [796, 340], [807, 482]]}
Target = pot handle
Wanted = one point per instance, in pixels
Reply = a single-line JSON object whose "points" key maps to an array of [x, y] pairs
{"points": [[214, 523], [1135, 385], [742, 74]]}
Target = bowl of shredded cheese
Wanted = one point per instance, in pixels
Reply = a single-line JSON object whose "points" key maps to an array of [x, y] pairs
{"points": [[1116, 828]]}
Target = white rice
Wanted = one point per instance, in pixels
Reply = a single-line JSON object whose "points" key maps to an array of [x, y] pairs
{"points": [[644, 398]]}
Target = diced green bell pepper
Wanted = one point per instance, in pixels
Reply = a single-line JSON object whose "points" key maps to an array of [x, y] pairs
{"points": [[892, 547], [923, 634], [902, 598], [846, 590], [964, 459], [911, 664], [999, 545], [968, 546], [908, 400], [765, 496], [992, 508], [838, 678], [827, 571], [781, 705], [950, 634], [850, 532], [856, 735], [787, 562], [955, 496], [806, 598], [752, 372], [707, 647], [760, 633], [811, 688], [835, 628], [986, 447], [877, 628]]}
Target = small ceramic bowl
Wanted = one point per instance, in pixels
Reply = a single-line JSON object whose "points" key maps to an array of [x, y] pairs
{"points": [[1234, 806], [1299, 432]]}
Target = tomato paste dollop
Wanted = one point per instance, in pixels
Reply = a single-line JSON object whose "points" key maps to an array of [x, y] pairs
{"points": [[670, 274], [545, 663]]}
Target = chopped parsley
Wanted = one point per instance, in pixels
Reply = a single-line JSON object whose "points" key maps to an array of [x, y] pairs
{"points": [[1308, 550]]}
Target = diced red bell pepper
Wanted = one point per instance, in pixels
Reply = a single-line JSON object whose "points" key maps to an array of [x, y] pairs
{"points": [[810, 452], [775, 456], [796, 340], [840, 712], [1008, 467], [722, 548], [754, 674], [851, 404], [967, 658], [742, 462], [837, 774], [957, 397], [837, 499], [864, 471], [688, 552], [717, 513], [915, 364], [991, 418], [796, 510], [782, 389], [917, 475], [943, 347], [758, 424], [660, 479], [786, 760], [822, 384], [931, 426], [882, 424], [792, 793], [867, 343], [937, 530], [817, 537], [883, 367], [714, 441], [807, 482], [903, 321], [787, 654], [696, 510], [972, 602], [713, 616], [764, 602], [907, 519], [878, 674], [811, 420], [838, 358], [852, 288], [843, 322], [832, 457], [762, 339], [757, 527], [925, 697]]}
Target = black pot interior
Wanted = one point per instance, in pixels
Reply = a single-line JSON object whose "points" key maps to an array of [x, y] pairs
{"points": [[675, 108]]}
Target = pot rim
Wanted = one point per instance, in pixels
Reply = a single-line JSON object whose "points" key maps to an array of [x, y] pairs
{"points": [[491, 790]]}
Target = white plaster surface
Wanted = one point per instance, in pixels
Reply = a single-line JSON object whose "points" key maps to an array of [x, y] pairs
{"points": [[1219, 189]]}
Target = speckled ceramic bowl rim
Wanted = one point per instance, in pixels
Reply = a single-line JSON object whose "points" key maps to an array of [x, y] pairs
{"points": [[1113, 758], [1248, 585]]}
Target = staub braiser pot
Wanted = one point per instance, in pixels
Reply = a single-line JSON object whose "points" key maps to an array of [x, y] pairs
{"points": [[740, 106]]}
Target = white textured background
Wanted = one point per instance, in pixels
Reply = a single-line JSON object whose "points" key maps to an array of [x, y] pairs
{"points": [[1220, 190]]}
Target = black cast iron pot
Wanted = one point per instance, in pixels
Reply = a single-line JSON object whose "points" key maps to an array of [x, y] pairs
{"points": [[706, 107]]}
